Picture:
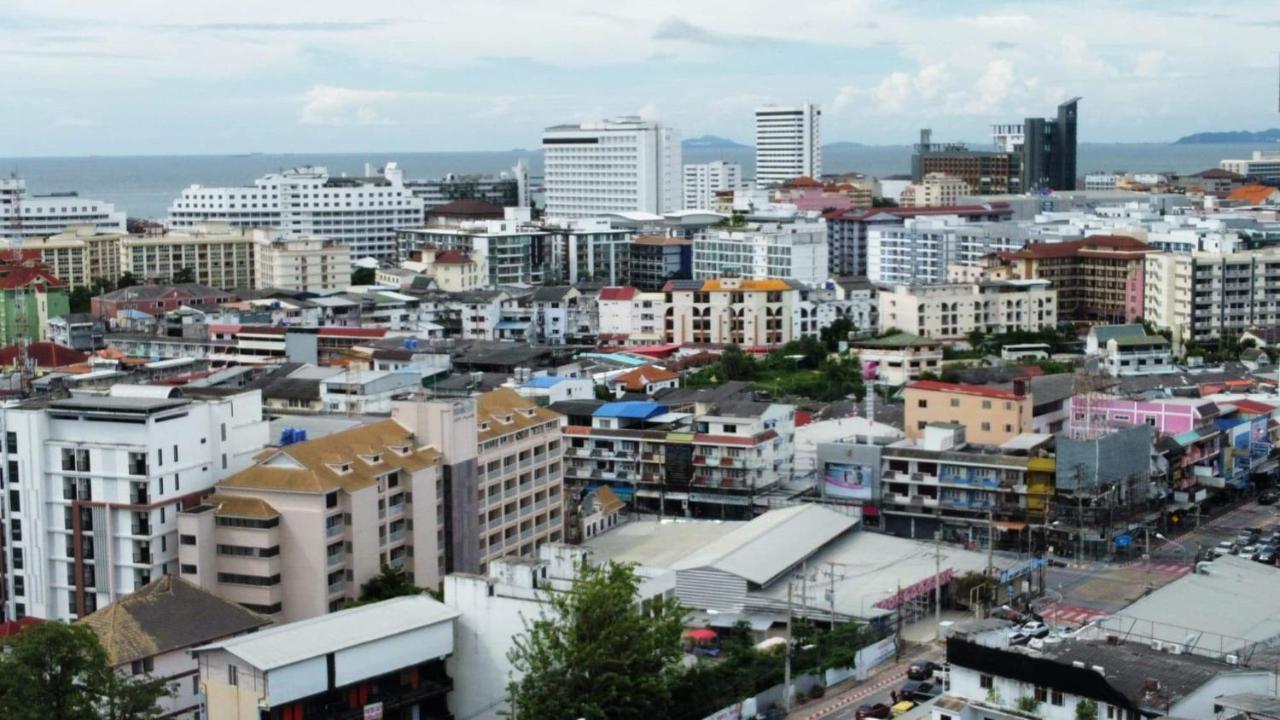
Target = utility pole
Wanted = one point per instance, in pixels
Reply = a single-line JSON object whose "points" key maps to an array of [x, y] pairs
{"points": [[991, 540], [897, 642], [786, 671], [1080, 528], [937, 584], [831, 575]]}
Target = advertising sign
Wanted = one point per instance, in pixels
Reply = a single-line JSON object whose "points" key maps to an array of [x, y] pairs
{"points": [[848, 480]]}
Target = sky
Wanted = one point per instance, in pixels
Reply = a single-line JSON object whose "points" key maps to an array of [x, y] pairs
{"points": [[126, 77]]}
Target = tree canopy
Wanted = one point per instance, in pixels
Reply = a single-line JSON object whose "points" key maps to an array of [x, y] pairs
{"points": [[595, 655], [55, 670]]}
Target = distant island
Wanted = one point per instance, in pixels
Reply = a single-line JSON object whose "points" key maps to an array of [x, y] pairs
{"points": [[842, 145], [1230, 136], [713, 142]]}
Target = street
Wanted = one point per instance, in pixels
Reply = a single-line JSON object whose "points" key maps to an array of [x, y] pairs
{"points": [[877, 688], [1077, 595]]}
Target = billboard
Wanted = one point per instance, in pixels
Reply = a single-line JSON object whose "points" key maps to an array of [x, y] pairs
{"points": [[849, 481]]}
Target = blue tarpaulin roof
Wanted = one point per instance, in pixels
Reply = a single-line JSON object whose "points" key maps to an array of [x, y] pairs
{"points": [[544, 381], [630, 410], [622, 490]]}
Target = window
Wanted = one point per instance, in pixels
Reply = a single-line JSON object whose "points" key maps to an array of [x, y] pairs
{"points": [[195, 684], [331, 500], [159, 456], [955, 402], [986, 682], [186, 569], [920, 425], [922, 403], [175, 453], [15, 530], [11, 442], [19, 585], [15, 501], [986, 427], [144, 665], [986, 404], [224, 432], [1008, 427], [232, 680], [187, 539], [1042, 694], [1055, 697]]}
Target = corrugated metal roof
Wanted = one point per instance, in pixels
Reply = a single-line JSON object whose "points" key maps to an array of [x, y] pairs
{"points": [[765, 547], [285, 645], [630, 410]]}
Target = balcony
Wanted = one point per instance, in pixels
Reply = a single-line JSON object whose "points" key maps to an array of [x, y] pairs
{"points": [[337, 559], [337, 588], [334, 530], [141, 557], [395, 535], [140, 496], [140, 529], [397, 562]]}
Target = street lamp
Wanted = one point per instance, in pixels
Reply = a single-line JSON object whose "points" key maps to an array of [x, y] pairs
{"points": [[1178, 545]]}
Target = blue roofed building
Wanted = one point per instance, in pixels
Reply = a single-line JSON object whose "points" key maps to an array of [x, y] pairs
{"points": [[547, 389]]}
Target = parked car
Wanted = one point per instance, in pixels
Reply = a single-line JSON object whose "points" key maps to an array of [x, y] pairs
{"points": [[1266, 555], [902, 707], [919, 691], [1226, 547], [1268, 498], [879, 710], [1247, 551], [1245, 538], [1035, 629], [923, 670]]}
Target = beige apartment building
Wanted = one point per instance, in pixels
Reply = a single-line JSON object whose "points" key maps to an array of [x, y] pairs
{"points": [[300, 532], [950, 312], [80, 255], [219, 256], [300, 263], [749, 313], [935, 190], [504, 470], [990, 416]]}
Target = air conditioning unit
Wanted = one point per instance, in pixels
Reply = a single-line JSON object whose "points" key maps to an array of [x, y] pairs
{"points": [[1175, 649], [1157, 646], [1233, 659]]}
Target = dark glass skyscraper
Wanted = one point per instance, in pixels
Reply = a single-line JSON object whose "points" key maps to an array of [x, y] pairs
{"points": [[1049, 150]]}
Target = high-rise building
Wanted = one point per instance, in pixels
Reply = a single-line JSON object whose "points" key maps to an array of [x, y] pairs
{"points": [[795, 249], [1098, 278], [1047, 148], [503, 190], [788, 143], [95, 484], [703, 180], [988, 172], [31, 216], [300, 264], [361, 212], [613, 166]]}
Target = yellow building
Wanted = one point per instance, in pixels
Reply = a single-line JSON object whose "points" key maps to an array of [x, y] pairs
{"points": [[990, 416]]}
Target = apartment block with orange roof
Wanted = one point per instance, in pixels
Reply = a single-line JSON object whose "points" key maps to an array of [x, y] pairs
{"points": [[739, 311]]}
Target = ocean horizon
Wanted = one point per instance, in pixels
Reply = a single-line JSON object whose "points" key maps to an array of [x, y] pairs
{"points": [[145, 185]]}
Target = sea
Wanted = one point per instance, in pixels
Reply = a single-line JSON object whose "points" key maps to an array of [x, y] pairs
{"points": [[145, 186]]}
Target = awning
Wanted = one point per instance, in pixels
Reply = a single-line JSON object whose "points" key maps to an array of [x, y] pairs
{"points": [[1009, 525], [701, 634]]}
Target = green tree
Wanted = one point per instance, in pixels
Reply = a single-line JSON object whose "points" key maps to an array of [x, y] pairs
{"points": [[837, 331], [185, 275], [55, 670], [841, 378], [364, 276], [593, 655], [126, 280], [1086, 710], [389, 583], [80, 300], [736, 365], [882, 202]]}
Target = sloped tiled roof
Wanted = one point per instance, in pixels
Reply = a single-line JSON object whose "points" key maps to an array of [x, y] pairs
{"points": [[468, 208], [45, 354], [937, 386], [637, 379], [1251, 194], [166, 615], [1100, 245], [311, 466], [625, 292], [505, 411]]}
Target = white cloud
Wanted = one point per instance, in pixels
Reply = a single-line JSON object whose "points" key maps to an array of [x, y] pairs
{"points": [[1076, 55], [330, 105], [1149, 63], [893, 92]]}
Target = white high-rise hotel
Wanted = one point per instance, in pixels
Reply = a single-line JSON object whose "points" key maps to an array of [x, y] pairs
{"points": [[37, 216], [622, 165], [703, 180], [362, 213], [788, 143]]}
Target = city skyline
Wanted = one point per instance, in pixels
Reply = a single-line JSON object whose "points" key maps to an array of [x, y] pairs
{"points": [[243, 78]]}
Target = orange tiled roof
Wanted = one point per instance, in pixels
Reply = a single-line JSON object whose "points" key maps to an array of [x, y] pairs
{"points": [[1251, 194], [636, 380], [767, 285]]}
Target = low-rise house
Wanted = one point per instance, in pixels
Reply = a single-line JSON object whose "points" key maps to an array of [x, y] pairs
{"points": [[359, 392], [81, 331], [990, 416], [649, 380], [152, 631], [381, 660], [898, 358]]}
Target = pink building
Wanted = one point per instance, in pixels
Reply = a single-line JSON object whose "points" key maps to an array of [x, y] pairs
{"points": [[1168, 417]]}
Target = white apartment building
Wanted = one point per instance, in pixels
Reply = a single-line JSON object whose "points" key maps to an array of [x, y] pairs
{"points": [[1263, 165], [950, 312], [796, 249], [1007, 137], [363, 213], [703, 180], [515, 252], [33, 216], [303, 264], [631, 316], [788, 143], [95, 484], [935, 190], [613, 166], [743, 312], [920, 250], [589, 250], [1097, 182]]}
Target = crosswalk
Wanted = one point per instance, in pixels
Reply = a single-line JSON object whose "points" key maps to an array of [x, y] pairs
{"points": [[1171, 567], [1071, 615]]}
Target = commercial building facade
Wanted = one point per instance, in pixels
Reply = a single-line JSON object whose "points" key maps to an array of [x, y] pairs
{"points": [[1098, 278], [847, 231], [788, 143], [613, 166], [920, 250], [990, 416], [655, 259]]}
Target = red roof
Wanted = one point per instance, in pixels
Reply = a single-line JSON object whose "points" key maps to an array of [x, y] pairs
{"points": [[13, 627], [637, 379], [803, 417], [13, 277], [995, 208], [962, 389], [625, 292], [803, 181], [45, 354], [1251, 194], [452, 257], [1253, 407], [1099, 245]]}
